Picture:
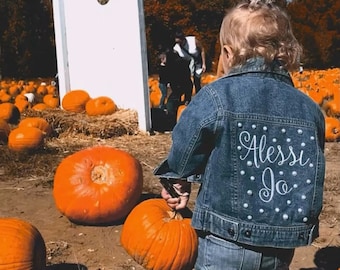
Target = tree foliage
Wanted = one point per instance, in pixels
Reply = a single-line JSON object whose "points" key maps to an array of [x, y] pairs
{"points": [[27, 39], [27, 46], [317, 26], [195, 17]]}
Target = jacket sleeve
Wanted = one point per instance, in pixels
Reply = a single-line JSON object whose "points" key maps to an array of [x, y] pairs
{"points": [[193, 137]]}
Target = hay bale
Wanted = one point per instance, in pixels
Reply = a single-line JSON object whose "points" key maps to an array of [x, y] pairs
{"points": [[63, 123]]}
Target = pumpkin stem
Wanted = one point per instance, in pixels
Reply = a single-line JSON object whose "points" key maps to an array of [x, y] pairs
{"points": [[174, 214], [101, 175]]}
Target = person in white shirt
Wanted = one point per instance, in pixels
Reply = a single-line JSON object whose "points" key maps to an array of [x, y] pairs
{"points": [[191, 49]]}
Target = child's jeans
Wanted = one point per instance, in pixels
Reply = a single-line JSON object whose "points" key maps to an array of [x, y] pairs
{"points": [[215, 253]]}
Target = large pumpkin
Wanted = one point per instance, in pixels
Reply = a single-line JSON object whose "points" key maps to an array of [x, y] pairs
{"points": [[100, 106], [158, 238], [37, 122], [21, 245], [25, 139], [75, 101], [97, 185]]}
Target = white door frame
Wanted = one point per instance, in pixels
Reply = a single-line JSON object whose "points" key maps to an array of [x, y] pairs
{"points": [[138, 99]]}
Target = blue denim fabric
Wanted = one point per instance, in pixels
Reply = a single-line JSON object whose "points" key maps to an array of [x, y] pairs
{"points": [[215, 253], [257, 143]]}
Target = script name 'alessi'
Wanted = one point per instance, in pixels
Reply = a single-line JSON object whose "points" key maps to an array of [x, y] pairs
{"points": [[260, 152]]}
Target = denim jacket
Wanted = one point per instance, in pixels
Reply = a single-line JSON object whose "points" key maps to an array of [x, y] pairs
{"points": [[256, 145]]}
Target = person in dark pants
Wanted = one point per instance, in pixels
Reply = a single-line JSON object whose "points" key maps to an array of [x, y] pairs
{"points": [[179, 78], [191, 49], [180, 82], [164, 79]]}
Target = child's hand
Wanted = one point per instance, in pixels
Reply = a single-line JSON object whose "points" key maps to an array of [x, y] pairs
{"points": [[183, 188]]}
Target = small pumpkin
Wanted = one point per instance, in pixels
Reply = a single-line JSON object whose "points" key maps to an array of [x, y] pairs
{"points": [[42, 89], [332, 129], [155, 97], [100, 106], [21, 245], [30, 87], [158, 238], [318, 96], [5, 97], [52, 90], [10, 113], [75, 101], [180, 110], [332, 107], [51, 100], [40, 107], [97, 185], [20, 97], [4, 131], [14, 90], [22, 105], [37, 122], [25, 139]]}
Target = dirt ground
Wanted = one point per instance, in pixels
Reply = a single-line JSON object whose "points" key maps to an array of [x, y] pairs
{"points": [[26, 183]]}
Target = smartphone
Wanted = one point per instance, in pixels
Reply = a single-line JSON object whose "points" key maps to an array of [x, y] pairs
{"points": [[169, 187]]}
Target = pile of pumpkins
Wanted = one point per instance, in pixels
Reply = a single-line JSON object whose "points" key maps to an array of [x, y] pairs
{"points": [[42, 95], [323, 86], [36, 95], [102, 185], [21, 135], [29, 133]]}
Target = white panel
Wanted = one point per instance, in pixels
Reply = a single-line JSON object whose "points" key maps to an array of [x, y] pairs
{"points": [[105, 50]]}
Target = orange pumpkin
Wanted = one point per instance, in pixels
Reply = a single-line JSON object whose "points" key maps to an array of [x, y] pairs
{"points": [[25, 139], [40, 107], [14, 90], [332, 129], [180, 109], [158, 238], [52, 89], [4, 131], [332, 107], [37, 122], [97, 185], [22, 105], [100, 106], [5, 97], [51, 100], [75, 101], [155, 98], [317, 96], [10, 113], [21, 245], [30, 87], [20, 97], [42, 89]]}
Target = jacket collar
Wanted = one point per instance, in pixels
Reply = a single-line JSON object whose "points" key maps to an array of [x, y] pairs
{"points": [[258, 65]]}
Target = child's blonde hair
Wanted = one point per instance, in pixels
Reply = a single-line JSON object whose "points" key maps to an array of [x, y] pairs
{"points": [[260, 28]]}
